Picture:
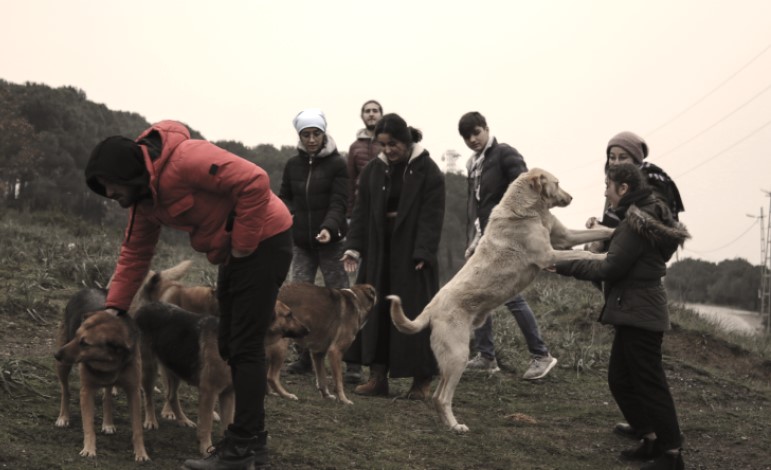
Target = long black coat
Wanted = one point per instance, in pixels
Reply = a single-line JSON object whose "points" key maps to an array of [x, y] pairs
{"points": [[416, 235]]}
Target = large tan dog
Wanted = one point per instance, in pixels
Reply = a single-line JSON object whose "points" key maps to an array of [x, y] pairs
{"points": [[106, 349], [333, 316], [185, 343], [522, 238]]}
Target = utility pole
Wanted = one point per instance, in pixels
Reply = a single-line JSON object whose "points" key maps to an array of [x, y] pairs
{"points": [[765, 277]]}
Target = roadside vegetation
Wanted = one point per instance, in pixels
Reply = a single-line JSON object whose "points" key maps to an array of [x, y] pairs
{"points": [[721, 382]]}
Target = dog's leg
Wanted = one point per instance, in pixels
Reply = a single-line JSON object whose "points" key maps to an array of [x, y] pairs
{"points": [[336, 364], [173, 399], [108, 424], [321, 374], [87, 416], [171, 394], [63, 372], [450, 346], [573, 255], [206, 398], [149, 371], [134, 400], [276, 353]]}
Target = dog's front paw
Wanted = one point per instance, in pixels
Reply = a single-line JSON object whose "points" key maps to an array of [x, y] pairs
{"points": [[141, 455], [460, 428], [186, 423], [88, 452], [346, 401], [150, 424], [62, 422], [108, 429]]}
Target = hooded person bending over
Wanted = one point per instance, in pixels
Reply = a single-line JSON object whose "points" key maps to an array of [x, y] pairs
{"points": [[225, 204]]}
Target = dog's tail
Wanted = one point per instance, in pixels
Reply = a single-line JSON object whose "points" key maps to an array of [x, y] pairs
{"points": [[401, 322]]}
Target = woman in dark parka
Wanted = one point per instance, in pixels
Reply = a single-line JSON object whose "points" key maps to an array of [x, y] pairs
{"points": [[395, 229], [636, 305]]}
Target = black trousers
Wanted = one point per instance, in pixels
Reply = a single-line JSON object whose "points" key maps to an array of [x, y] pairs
{"points": [[639, 385], [247, 289]]}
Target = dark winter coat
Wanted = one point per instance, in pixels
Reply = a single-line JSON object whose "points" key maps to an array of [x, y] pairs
{"points": [[641, 245], [415, 238], [315, 189], [502, 165], [361, 152]]}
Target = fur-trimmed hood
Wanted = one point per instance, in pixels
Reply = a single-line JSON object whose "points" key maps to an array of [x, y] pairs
{"points": [[662, 234]]}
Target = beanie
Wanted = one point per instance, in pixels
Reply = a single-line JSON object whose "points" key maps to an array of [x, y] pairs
{"points": [[119, 160], [632, 143], [310, 118]]}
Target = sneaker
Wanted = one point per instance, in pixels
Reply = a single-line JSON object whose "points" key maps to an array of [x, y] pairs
{"points": [[539, 367], [482, 364]]}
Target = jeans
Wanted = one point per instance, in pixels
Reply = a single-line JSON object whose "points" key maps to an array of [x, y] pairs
{"points": [[483, 336], [307, 261]]}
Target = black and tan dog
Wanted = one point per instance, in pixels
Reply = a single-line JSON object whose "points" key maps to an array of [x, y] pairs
{"points": [[333, 316], [105, 347], [185, 343]]}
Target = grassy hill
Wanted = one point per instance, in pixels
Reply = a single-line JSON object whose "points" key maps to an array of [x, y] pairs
{"points": [[721, 383]]}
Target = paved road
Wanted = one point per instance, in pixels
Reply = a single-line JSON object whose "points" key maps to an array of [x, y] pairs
{"points": [[730, 318]]}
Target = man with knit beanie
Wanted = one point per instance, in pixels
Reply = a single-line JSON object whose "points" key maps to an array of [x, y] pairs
{"points": [[224, 202]]}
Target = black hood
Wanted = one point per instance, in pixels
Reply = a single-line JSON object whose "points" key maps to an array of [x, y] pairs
{"points": [[117, 159]]}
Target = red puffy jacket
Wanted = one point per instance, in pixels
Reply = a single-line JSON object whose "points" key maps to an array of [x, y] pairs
{"points": [[222, 200]]}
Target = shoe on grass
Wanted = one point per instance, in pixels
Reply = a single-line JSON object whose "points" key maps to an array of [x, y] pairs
{"points": [[481, 363], [539, 367]]}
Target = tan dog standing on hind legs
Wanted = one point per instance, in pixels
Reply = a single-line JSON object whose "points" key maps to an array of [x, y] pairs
{"points": [[522, 238]]}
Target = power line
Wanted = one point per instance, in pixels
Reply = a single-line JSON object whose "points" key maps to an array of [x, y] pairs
{"points": [[660, 155], [703, 162], [726, 245], [709, 93]]}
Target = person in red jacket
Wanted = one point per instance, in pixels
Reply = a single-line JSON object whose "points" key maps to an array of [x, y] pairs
{"points": [[224, 202]]}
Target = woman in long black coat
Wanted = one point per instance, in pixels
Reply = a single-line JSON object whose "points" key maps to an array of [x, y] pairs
{"points": [[395, 229]]}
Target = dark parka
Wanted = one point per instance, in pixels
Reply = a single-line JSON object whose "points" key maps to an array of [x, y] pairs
{"points": [[416, 235], [315, 189], [641, 245], [502, 165]]}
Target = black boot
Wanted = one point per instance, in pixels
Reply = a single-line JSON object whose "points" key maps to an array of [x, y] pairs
{"points": [[234, 453], [666, 461], [302, 365], [647, 450]]}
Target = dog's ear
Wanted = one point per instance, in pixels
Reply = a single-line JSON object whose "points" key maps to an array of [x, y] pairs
{"points": [[536, 181], [281, 309]]}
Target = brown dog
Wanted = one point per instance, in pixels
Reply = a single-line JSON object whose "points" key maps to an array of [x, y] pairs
{"points": [[105, 347], [333, 316], [185, 343]]}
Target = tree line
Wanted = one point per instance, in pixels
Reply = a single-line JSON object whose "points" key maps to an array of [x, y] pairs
{"points": [[47, 134], [46, 138]]}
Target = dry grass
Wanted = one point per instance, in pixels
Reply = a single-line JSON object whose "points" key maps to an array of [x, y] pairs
{"points": [[721, 383]]}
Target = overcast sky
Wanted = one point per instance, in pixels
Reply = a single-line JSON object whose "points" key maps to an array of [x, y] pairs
{"points": [[556, 79]]}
